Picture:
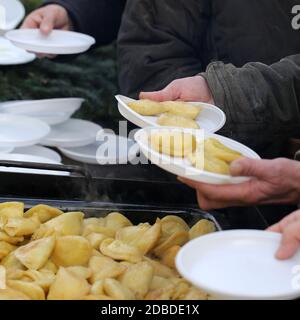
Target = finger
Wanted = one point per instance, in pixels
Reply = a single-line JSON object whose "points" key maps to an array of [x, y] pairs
{"points": [[250, 167], [290, 242], [169, 93], [32, 22], [281, 225], [207, 204], [48, 22]]}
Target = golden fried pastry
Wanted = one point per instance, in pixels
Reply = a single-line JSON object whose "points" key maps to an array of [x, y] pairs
{"points": [[68, 286], [144, 236], [211, 163], [32, 290], [18, 227], [104, 267], [116, 290], [35, 254], [119, 250], [71, 251], [43, 213], [201, 228], [168, 256], [147, 107], [68, 224], [218, 150], [11, 294], [138, 278], [171, 120], [183, 109], [175, 144], [92, 259]]}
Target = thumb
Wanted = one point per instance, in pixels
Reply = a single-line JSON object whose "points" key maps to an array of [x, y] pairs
{"points": [[250, 167], [290, 242], [169, 93], [47, 24]]}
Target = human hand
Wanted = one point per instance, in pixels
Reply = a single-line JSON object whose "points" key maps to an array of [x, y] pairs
{"points": [[186, 89], [273, 182], [290, 229], [48, 18]]}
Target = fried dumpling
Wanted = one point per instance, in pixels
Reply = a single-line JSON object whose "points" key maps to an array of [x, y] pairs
{"points": [[201, 228], [10, 262], [138, 278], [95, 239], [160, 294], [43, 212], [32, 290], [10, 210], [42, 278], [5, 249], [119, 250], [217, 149], [2, 277], [67, 224], [175, 144], [184, 109], [102, 297], [35, 254], [178, 238], [160, 269], [116, 290], [143, 236], [195, 294], [68, 286], [170, 120], [116, 221], [98, 287], [168, 257], [18, 227], [71, 251], [104, 267], [12, 240], [147, 107], [80, 271], [11, 294], [209, 163]]}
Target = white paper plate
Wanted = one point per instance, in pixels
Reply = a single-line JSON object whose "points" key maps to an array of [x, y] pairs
{"points": [[14, 12], [29, 158], [21, 131], [12, 55], [239, 264], [109, 149], [6, 149], [182, 167], [72, 133], [66, 105], [210, 119], [39, 151], [57, 42]]}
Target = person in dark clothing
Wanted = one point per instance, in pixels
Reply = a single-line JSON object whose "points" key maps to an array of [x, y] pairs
{"points": [[233, 41], [99, 18], [160, 41]]}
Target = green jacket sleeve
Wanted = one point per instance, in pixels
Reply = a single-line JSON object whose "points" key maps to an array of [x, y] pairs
{"points": [[262, 103]]}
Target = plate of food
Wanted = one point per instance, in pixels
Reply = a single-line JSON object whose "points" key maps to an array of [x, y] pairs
{"points": [[193, 154], [239, 264], [57, 42], [192, 115]]}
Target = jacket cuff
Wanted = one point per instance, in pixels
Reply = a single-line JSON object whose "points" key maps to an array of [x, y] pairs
{"points": [[72, 12]]}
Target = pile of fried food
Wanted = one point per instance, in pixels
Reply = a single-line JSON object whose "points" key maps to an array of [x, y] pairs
{"points": [[48, 254], [170, 113], [210, 155]]}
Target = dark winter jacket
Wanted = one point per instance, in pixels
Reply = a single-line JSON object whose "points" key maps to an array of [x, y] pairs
{"points": [[160, 41], [98, 18]]}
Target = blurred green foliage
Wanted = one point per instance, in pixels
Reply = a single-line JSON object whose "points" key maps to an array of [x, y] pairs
{"points": [[92, 76]]}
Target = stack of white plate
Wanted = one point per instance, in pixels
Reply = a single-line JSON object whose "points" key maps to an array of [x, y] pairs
{"points": [[48, 122], [11, 14]]}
